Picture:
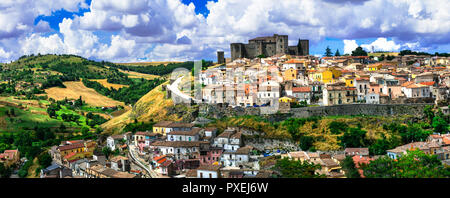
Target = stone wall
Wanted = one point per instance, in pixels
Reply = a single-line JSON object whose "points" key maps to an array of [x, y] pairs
{"points": [[223, 110]]}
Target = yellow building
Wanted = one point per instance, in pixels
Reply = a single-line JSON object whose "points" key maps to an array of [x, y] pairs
{"points": [[374, 67], [75, 150], [325, 76], [287, 100], [160, 127], [290, 74], [350, 82]]}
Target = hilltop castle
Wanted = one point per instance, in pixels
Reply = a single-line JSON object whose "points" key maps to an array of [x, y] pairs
{"points": [[268, 46]]}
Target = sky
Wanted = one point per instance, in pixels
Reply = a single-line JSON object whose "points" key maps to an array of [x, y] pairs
{"points": [[181, 30]]}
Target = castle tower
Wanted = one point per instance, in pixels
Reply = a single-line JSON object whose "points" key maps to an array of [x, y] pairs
{"points": [[220, 57]]}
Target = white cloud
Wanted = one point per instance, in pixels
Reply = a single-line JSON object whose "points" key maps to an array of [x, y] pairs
{"points": [[349, 46], [382, 44], [138, 25]]}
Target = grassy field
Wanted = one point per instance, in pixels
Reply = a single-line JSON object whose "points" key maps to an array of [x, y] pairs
{"points": [[74, 90], [108, 85], [25, 119], [132, 74], [149, 63]]}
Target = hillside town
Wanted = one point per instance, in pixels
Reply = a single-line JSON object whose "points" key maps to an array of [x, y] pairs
{"points": [[181, 150], [290, 79], [328, 81]]}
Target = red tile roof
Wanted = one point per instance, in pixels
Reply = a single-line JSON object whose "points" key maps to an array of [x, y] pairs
{"points": [[428, 83], [301, 89]]}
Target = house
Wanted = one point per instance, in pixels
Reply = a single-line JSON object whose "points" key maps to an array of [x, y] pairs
{"points": [[294, 64], [208, 171], [401, 150], [246, 95], [56, 171], [210, 155], [192, 135], [362, 86], [372, 98], [143, 139], [302, 93], [162, 127], [291, 74], [336, 94], [298, 156], [356, 151], [179, 126], [10, 157], [99, 171], [115, 141], [71, 151], [120, 163], [413, 90], [268, 92], [330, 168], [179, 149], [236, 158], [163, 165], [230, 140]]}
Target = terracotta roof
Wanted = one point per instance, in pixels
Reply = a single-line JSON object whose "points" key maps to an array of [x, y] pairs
{"points": [[431, 83], [293, 61], [191, 173], [163, 124], [192, 132], [178, 143], [146, 133], [71, 146], [301, 89], [209, 167], [179, 125], [405, 84], [69, 155]]}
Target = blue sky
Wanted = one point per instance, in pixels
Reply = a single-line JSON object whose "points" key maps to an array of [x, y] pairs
{"points": [[149, 30]]}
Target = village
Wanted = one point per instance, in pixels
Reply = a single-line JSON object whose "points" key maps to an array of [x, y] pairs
{"points": [[185, 150]]}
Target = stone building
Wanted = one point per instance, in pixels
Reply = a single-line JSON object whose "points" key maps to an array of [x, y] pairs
{"points": [[268, 46]]}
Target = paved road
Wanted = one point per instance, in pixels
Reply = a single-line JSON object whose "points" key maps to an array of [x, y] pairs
{"points": [[174, 89], [142, 163]]}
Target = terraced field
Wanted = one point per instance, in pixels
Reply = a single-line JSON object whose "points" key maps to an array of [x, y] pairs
{"points": [[74, 90], [108, 85]]}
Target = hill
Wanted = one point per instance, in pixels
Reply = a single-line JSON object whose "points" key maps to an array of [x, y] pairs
{"points": [[152, 106], [75, 89]]}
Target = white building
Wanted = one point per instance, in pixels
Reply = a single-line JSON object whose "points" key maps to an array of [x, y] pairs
{"points": [[208, 171], [372, 98]]}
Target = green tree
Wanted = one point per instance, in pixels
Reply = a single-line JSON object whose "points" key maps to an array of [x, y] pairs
{"points": [[349, 168], [338, 127], [107, 152], [383, 167], [359, 52], [337, 53], [85, 131], [439, 125], [5, 172], [354, 137], [45, 160], [428, 113], [414, 164], [328, 52], [296, 169], [381, 145], [306, 142]]}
